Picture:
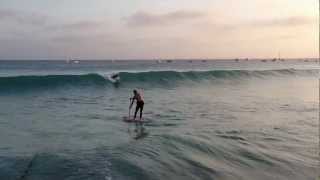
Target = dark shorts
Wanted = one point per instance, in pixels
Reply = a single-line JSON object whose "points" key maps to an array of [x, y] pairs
{"points": [[140, 104]]}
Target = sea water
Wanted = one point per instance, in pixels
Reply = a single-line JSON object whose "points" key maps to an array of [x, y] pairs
{"points": [[219, 119]]}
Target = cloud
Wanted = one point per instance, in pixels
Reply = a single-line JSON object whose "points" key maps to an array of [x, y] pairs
{"points": [[150, 19], [257, 24], [80, 25], [79, 39], [47, 23], [284, 22], [22, 17]]}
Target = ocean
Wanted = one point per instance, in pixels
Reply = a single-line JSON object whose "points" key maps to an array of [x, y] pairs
{"points": [[206, 120]]}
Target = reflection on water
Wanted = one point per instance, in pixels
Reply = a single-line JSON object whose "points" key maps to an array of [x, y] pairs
{"points": [[137, 130]]}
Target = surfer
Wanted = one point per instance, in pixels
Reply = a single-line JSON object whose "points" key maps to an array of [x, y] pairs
{"points": [[115, 79], [140, 103], [115, 76]]}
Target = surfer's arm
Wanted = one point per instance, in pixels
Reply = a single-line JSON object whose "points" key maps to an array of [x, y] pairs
{"points": [[131, 100]]}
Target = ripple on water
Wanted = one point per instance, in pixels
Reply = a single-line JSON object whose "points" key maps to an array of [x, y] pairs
{"points": [[52, 166]]}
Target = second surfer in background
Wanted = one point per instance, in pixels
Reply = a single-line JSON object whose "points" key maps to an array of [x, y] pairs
{"points": [[115, 79], [115, 76], [140, 103]]}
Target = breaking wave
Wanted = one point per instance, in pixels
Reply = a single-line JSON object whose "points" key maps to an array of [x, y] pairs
{"points": [[49, 81]]}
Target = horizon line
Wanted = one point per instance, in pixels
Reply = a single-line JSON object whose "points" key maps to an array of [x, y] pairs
{"points": [[154, 59]]}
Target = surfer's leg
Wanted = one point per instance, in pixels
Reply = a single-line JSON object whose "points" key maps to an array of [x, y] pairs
{"points": [[135, 113], [141, 109]]}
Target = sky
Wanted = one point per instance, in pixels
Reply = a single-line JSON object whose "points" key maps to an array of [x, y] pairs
{"points": [[163, 29]]}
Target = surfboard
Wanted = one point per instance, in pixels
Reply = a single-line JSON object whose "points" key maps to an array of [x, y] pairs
{"points": [[131, 120]]}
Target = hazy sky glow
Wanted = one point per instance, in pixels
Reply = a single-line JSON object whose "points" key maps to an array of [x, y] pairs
{"points": [[113, 29]]}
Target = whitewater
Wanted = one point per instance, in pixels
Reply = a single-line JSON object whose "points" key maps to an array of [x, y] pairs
{"points": [[214, 119]]}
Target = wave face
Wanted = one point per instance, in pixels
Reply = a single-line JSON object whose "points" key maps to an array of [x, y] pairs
{"points": [[49, 81], [156, 76], [152, 77]]}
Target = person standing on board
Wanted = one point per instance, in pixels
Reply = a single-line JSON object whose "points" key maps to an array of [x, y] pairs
{"points": [[140, 103]]}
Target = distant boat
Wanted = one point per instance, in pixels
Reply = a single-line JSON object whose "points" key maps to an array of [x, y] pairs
{"points": [[76, 62], [236, 60], [204, 60], [274, 59], [263, 60], [169, 61]]}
